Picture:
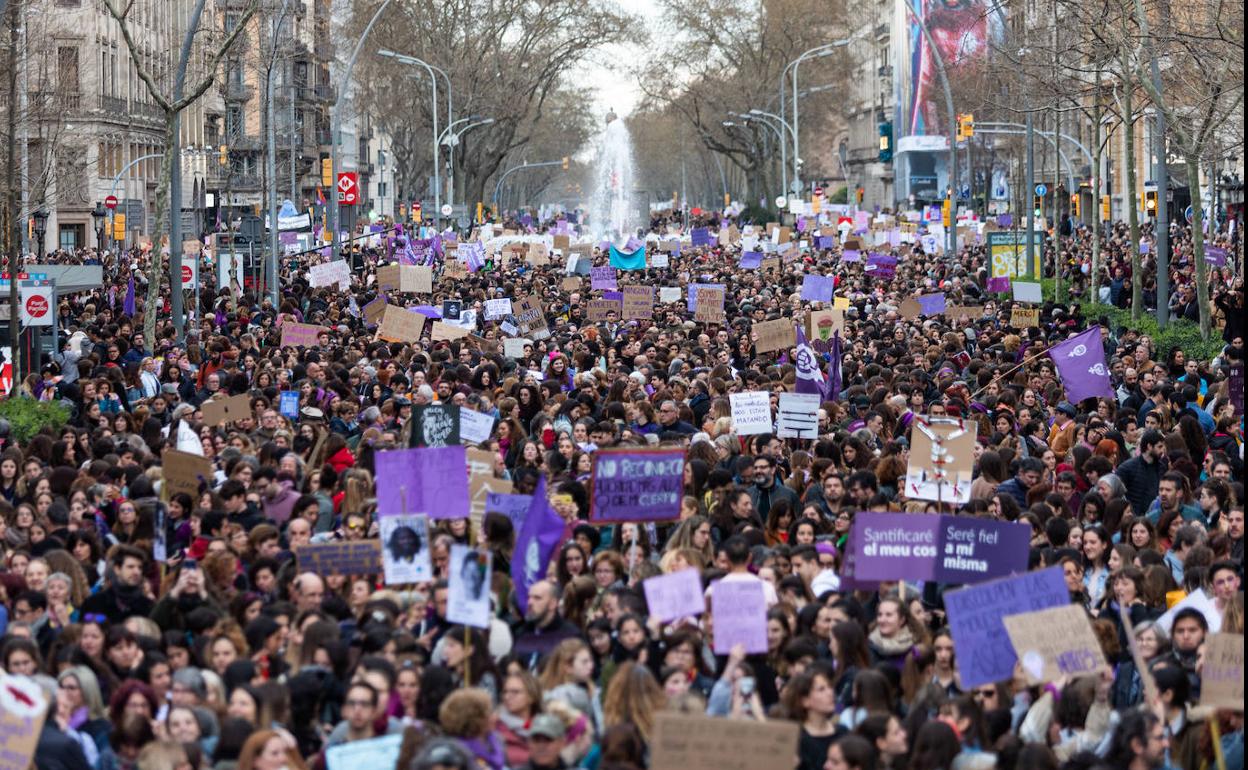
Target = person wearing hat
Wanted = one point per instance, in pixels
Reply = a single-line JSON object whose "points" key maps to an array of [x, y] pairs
{"points": [[185, 437], [547, 737], [1062, 431]]}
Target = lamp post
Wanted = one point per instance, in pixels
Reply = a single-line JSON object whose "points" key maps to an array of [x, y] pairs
{"points": [[98, 215], [433, 80], [40, 215], [450, 139]]}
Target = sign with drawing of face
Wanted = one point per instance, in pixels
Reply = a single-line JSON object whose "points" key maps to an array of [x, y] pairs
{"points": [[469, 600], [405, 548]]}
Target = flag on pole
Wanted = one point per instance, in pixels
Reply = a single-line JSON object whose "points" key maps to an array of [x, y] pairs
{"points": [[535, 545], [320, 196], [834, 368], [1080, 361], [128, 305], [810, 378]]}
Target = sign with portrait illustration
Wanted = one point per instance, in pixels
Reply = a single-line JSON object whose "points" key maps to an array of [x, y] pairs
{"points": [[468, 601], [435, 425], [405, 548]]}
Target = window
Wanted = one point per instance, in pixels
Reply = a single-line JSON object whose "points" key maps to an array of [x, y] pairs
{"points": [[381, 189], [101, 161], [67, 69], [233, 121]]}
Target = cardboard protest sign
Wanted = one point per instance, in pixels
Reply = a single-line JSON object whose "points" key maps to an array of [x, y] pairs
{"points": [[1222, 678], [435, 425], [300, 335], [798, 415], [739, 609], [538, 254], [1022, 317], [751, 412], [909, 309], [416, 279], [976, 616], [374, 752], [638, 302], [636, 485], [480, 487], [468, 601], [948, 549], [696, 742], [497, 308], [23, 709], [340, 557], [446, 332], [374, 310], [970, 312], [779, 334], [405, 548], [941, 460], [601, 309], [432, 480], [769, 263], [675, 595], [562, 242], [183, 472], [399, 325], [223, 410], [571, 283], [710, 305], [1054, 643], [531, 317], [825, 323]]}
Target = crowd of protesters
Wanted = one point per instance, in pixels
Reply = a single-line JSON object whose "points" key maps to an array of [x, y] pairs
{"points": [[227, 655]]}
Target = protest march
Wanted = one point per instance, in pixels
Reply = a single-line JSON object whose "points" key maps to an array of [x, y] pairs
{"points": [[810, 494]]}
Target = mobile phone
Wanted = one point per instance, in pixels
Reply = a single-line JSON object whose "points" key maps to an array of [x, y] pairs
{"points": [[190, 564], [747, 686]]}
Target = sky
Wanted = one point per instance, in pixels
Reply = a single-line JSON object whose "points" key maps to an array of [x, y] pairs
{"points": [[614, 86]]}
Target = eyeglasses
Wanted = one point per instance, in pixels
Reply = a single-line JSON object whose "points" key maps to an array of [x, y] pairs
{"points": [[357, 704]]}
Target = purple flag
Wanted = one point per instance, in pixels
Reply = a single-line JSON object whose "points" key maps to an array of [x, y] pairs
{"points": [[1000, 283], [1080, 361], [536, 543], [128, 306], [834, 368], [474, 255], [810, 377]]}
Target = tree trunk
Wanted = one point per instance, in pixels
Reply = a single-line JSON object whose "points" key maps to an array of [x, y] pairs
{"points": [[1133, 217], [156, 268], [1198, 244], [1095, 269]]}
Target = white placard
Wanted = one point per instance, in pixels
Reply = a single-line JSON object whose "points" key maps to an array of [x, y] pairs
{"points": [[497, 308], [405, 548], [468, 602], [669, 294], [751, 412], [329, 273], [508, 328], [798, 415], [659, 259], [1027, 292], [513, 347], [475, 427]]}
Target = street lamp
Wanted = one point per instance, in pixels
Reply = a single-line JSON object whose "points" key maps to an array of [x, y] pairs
{"points": [[40, 215], [98, 215]]}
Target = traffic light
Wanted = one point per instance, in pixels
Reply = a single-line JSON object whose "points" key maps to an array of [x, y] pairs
{"points": [[727, 200], [1150, 202], [859, 194], [223, 155], [1074, 205], [886, 142], [480, 212], [566, 162], [1105, 208], [1038, 205], [966, 126], [946, 212], [327, 173]]}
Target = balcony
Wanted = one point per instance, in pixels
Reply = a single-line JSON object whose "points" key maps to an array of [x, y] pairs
{"points": [[237, 91], [150, 111], [114, 105], [881, 31], [326, 92]]}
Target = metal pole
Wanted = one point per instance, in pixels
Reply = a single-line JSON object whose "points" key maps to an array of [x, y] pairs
{"points": [[1162, 174], [15, 204], [1029, 192], [499, 185], [437, 174], [336, 118], [271, 262]]}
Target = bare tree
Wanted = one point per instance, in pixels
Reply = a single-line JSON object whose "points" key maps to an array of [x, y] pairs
{"points": [[172, 104]]}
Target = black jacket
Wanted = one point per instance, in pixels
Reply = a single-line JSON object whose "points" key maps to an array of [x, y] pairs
{"points": [[1142, 480], [118, 604], [58, 751]]}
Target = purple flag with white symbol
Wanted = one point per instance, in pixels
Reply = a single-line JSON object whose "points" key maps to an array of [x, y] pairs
{"points": [[536, 543], [474, 255], [1080, 361], [834, 368], [810, 377], [128, 306]]}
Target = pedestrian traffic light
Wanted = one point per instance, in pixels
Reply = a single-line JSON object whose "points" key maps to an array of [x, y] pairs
{"points": [[1150, 202], [886, 142], [223, 155], [566, 162]]}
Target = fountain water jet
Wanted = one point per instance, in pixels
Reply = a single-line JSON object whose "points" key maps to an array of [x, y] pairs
{"points": [[611, 213]]}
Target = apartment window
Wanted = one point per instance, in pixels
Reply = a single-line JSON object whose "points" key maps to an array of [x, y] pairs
{"points": [[101, 161], [67, 69], [233, 121]]}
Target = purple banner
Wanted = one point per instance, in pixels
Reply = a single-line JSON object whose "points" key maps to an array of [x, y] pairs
{"points": [[851, 255], [948, 549], [979, 637], [999, 284], [429, 480], [601, 278], [1215, 255], [700, 236], [638, 485], [817, 288]]}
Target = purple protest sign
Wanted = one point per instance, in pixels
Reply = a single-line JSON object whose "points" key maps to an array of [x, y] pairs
{"points": [[801, 224], [1005, 220], [633, 244], [817, 288], [601, 278], [287, 238], [430, 480], [615, 296], [739, 609], [1144, 247], [881, 265], [973, 550], [979, 637], [636, 485], [700, 236], [1000, 283], [824, 242], [890, 546], [514, 507], [751, 260], [675, 595], [1215, 255], [526, 220], [932, 304], [851, 255]]}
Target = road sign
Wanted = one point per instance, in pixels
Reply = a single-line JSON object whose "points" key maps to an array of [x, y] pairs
{"points": [[447, 209], [1042, 190], [1187, 213], [190, 264], [818, 192], [348, 188], [781, 202], [110, 202]]}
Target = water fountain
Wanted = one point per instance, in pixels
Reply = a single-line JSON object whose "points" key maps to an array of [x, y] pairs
{"points": [[611, 213]]}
